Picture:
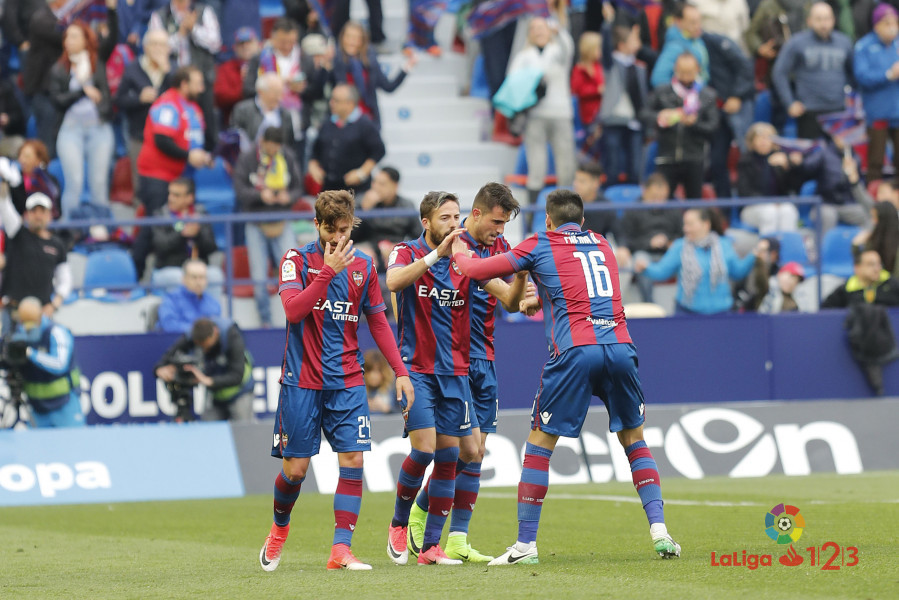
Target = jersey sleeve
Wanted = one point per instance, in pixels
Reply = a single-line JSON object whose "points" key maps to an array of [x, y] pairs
{"points": [[289, 273], [505, 247], [373, 301], [523, 255], [164, 119], [402, 256]]}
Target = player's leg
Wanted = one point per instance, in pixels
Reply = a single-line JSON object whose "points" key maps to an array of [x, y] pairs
{"points": [[296, 440], [623, 395], [412, 472], [347, 503]]}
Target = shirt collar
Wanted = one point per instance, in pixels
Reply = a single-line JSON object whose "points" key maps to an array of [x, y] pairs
{"points": [[568, 227]]}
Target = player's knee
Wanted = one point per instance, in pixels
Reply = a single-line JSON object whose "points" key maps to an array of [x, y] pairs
{"points": [[351, 460], [295, 469]]}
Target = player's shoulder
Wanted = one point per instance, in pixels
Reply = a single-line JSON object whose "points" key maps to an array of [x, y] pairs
{"points": [[500, 245], [361, 259]]}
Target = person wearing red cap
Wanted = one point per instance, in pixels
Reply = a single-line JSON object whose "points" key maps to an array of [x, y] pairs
{"points": [[784, 294], [876, 65]]}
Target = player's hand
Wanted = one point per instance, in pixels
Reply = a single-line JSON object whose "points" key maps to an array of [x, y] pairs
{"points": [[166, 372], [340, 255], [404, 388], [446, 247], [460, 247], [201, 377], [531, 303]]}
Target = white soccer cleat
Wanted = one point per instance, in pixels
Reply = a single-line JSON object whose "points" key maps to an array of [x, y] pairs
{"points": [[517, 554]]}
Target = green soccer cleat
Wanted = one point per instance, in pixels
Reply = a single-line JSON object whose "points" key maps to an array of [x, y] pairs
{"points": [[457, 547], [666, 546], [417, 520]]}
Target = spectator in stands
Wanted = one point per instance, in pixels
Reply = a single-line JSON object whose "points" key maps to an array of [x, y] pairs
{"points": [[871, 283], [348, 146], [883, 237], [173, 138], [16, 21], [645, 235], [876, 63], [144, 80], [230, 75], [379, 386], [749, 293], [625, 97], [304, 77], [226, 369], [686, 115], [782, 294], [812, 71], [33, 159], [732, 76], [381, 234], [587, 79], [886, 188], [551, 49], [12, 119], [825, 166], [356, 63], [888, 191], [684, 37], [44, 49], [254, 115], [78, 89], [267, 179], [766, 171], [728, 18], [341, 17], [171, 245], [189, 302], [194, 39], [587, 181], [704, 262], [35, 257]]}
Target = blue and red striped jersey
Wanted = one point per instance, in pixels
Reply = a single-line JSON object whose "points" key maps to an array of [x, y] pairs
{"points": [[483, 305], [322, 351], [434, 320], [577, 278]]}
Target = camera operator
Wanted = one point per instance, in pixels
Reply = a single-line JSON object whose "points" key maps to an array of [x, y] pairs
{"points": [[42, 353], [213, 355]]}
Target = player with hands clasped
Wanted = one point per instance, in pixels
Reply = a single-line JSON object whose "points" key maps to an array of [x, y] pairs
{"points": [[591, 353], [325, 287]]}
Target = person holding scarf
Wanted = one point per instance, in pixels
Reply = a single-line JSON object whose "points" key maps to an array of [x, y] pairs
{"points": [[704, 261], [33, 159], [686, 115], [267, 179]]}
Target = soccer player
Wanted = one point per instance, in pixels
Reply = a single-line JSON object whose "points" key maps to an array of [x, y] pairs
{"points": [[591, 354], [493, 207], [325, 287], [434, 315]]}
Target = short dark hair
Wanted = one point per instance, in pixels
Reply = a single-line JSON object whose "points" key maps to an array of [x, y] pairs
{"points": [[188, 183], [564, 206], [434, 200], [285, 24], [590, 168], [496, 194], [711, 216], [656, 179], [892, 183], [273, 134], [679, 8], [620, 33], [202, 330], [182, 75], [334, 206], [391, 173], [857, 256]]}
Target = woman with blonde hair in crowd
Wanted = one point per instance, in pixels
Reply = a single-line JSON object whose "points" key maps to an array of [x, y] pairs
{"points": [[587, 79]]}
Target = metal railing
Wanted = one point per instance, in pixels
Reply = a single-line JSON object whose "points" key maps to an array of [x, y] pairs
{"points": [[238, 218]]}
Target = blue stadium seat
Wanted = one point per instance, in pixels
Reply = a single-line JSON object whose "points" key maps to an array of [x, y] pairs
{"points": [[271, 9], [214, 187], [763, 106], [836, 250], [809, 188], [792, 247], [626, 192], [113, 270]]}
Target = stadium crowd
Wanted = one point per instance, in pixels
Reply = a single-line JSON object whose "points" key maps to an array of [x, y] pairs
{"points": [[114, 101]]}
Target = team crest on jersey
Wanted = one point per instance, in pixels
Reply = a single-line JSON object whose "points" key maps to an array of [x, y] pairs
{"points": [[288, 271], [357, 277]]}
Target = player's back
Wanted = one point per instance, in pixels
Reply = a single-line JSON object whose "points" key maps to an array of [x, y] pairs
{"points": [[577, 278]]}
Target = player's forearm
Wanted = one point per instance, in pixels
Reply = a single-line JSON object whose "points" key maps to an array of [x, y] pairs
{"points": [[383, 336], [517, 291], [399, 278], [299, 303], [483, 269]]}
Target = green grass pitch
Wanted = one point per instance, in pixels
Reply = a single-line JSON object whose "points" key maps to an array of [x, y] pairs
{"points": [[593, 543]]}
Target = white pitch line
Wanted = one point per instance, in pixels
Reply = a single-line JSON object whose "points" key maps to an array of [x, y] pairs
{"points": [[675, 502]]}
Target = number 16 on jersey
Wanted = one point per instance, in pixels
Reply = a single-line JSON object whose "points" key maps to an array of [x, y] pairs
{"points": [[597, 275]]}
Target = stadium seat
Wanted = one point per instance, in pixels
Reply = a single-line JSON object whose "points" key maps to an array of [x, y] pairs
{"points": [[111, 276], [836, 250], [792, 247], [809, 188], [763, 106], [214, 186], [623, 193]]}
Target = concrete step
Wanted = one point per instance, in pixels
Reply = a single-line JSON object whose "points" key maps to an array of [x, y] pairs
{"points": [[449, 179], [423, 111], [416, 87], [465, 195], [401, 133], [450, 63], [452, 155]]}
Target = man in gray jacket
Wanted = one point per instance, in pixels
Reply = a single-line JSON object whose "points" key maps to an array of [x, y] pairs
{"points": [[812, 71]]}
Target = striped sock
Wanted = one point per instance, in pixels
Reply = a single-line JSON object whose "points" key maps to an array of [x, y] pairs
{"points": [[468, 482], [347, 502], [532, 491], [422, 499], [646, 480], [411, 475], [442, 488], [286, 493]]}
